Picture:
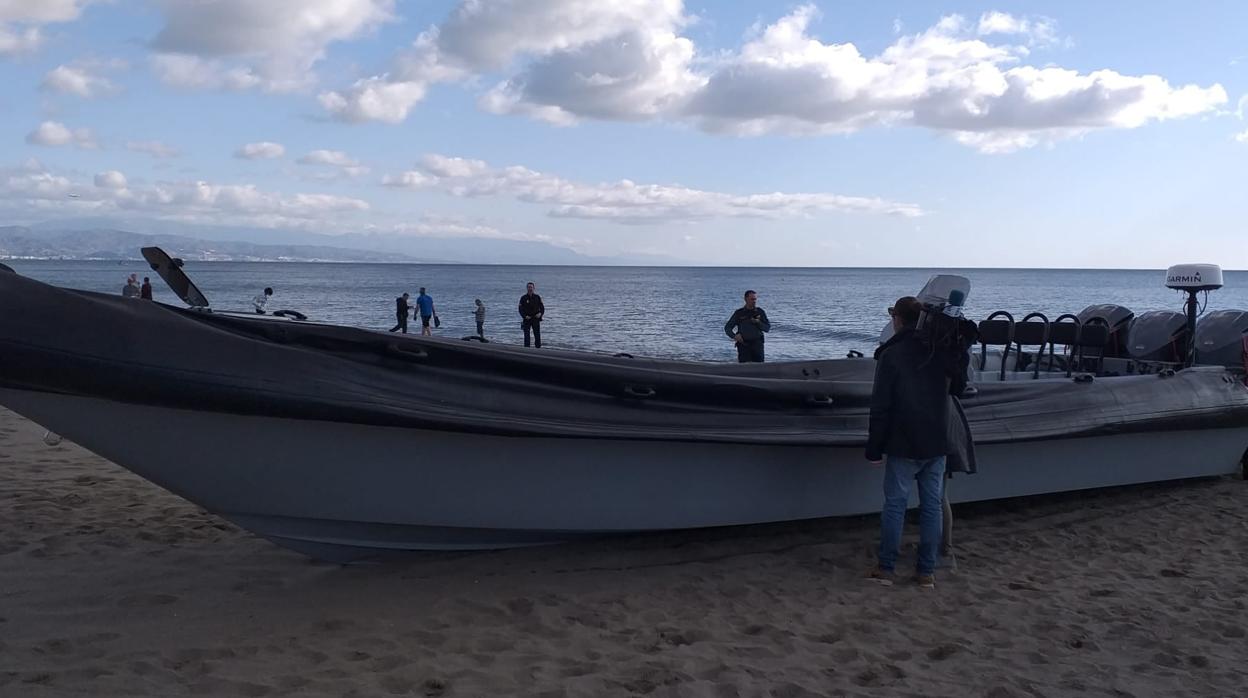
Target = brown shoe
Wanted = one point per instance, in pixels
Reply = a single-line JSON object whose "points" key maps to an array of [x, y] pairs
{"points": [[927, 581], [880, 576]]}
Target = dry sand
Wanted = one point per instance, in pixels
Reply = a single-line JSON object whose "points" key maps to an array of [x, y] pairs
{"points": [[110, 586]]}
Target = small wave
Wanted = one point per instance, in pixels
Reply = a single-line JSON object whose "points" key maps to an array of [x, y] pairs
{"points": [[821, 333]]}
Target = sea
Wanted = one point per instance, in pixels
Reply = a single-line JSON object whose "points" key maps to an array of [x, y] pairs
{"points": [[670, 312]]}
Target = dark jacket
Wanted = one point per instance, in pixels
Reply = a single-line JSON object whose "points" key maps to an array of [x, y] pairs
{"points": [[532, 307], [145, 291], [401, 307], [910, 402], [742, 323]]}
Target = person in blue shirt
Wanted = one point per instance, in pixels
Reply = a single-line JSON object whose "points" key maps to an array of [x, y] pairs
{"points": [[424, 303]]}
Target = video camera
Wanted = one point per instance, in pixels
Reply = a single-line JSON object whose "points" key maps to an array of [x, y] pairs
{"points": [[944, 330]]}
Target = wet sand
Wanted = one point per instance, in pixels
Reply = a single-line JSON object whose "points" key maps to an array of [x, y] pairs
{"points": [[110, 586]]}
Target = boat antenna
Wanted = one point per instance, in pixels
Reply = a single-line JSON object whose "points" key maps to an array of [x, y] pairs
{"points": [[1192, 279]]}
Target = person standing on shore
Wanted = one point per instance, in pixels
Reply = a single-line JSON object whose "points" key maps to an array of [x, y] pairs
{"points": [[424, 302], [401, 309], [145, 291], [479, 315], [909, 424], [746, 328], [531, 311], [131, 289], [262, 300]]}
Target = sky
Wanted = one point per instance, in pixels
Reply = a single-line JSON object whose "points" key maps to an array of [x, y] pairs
{"points": [[837, 133]]}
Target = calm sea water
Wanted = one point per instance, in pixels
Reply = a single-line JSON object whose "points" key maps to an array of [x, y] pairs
{"points": [[667, 312]]}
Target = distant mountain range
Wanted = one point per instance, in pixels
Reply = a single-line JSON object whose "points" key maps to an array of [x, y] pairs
{"points": [[26, 243], [102, 239]]}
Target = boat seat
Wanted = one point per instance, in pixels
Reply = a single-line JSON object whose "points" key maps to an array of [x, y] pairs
{"points": [[1094, 334], [1033, 330], [997, 333], [1066, 334]]}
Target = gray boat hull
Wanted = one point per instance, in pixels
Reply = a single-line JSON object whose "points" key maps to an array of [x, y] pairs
{"points": [[344, 491]]}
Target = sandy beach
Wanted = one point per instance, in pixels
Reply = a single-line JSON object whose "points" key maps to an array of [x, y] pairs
{"points": [[110, 586]]}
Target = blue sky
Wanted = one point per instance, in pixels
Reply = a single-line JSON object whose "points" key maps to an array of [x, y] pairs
{"points": [[1058, 134]]}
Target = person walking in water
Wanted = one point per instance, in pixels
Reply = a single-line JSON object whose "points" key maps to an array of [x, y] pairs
{"points": [[401, 310], [479, 315], [262, 300], [145, 291], [909, 424], [746, 328], [424, 303], [131, 289], [531, 312]]}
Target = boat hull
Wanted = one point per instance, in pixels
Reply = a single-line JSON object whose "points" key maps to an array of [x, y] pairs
{"points": [[344, 491]]}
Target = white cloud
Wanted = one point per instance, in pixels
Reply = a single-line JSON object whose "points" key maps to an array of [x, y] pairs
{"points": [[627, 44], [940, 79], [154, 148], [110, 179], [374, 99], [1242, 137], [626, 201], [54, 133], [20, 21], [14, 41], [345, 165], [570, 60], [1039, 31], [336, 158], [32, 189], [264, 150], [82, 78], [240, 44]]}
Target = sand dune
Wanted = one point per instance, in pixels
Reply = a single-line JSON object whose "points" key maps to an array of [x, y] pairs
{"points": [[110, 586]]}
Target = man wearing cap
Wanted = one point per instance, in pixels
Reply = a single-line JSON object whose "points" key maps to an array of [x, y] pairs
{"points": [[909, 424]]}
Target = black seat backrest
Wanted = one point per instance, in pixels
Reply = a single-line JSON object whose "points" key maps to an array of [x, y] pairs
{"points": [[1095, 334], [1032, 330], [1066, 334], [997, 333]]}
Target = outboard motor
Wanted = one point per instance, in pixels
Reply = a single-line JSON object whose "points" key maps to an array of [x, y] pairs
{"points": [[1220, 337], [1158, 335], [1118, 319]]}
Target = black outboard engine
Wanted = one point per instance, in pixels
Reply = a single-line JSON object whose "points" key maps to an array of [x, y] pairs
{"points": [[1158, 335], [1220, 337], [1118, 319]]}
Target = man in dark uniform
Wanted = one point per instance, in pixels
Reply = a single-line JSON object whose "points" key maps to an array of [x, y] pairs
{"points": [[746, 328], [531, 311], [401, 309]]}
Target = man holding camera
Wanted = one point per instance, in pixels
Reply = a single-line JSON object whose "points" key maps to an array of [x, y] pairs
{"points": [[909, 423]]}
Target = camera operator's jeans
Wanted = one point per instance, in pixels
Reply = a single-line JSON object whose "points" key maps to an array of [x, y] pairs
{"points": [[898, 474]]}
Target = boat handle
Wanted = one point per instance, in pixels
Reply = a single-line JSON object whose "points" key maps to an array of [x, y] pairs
{"points": [[416, 354], [819, 400], [639, 391]]}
